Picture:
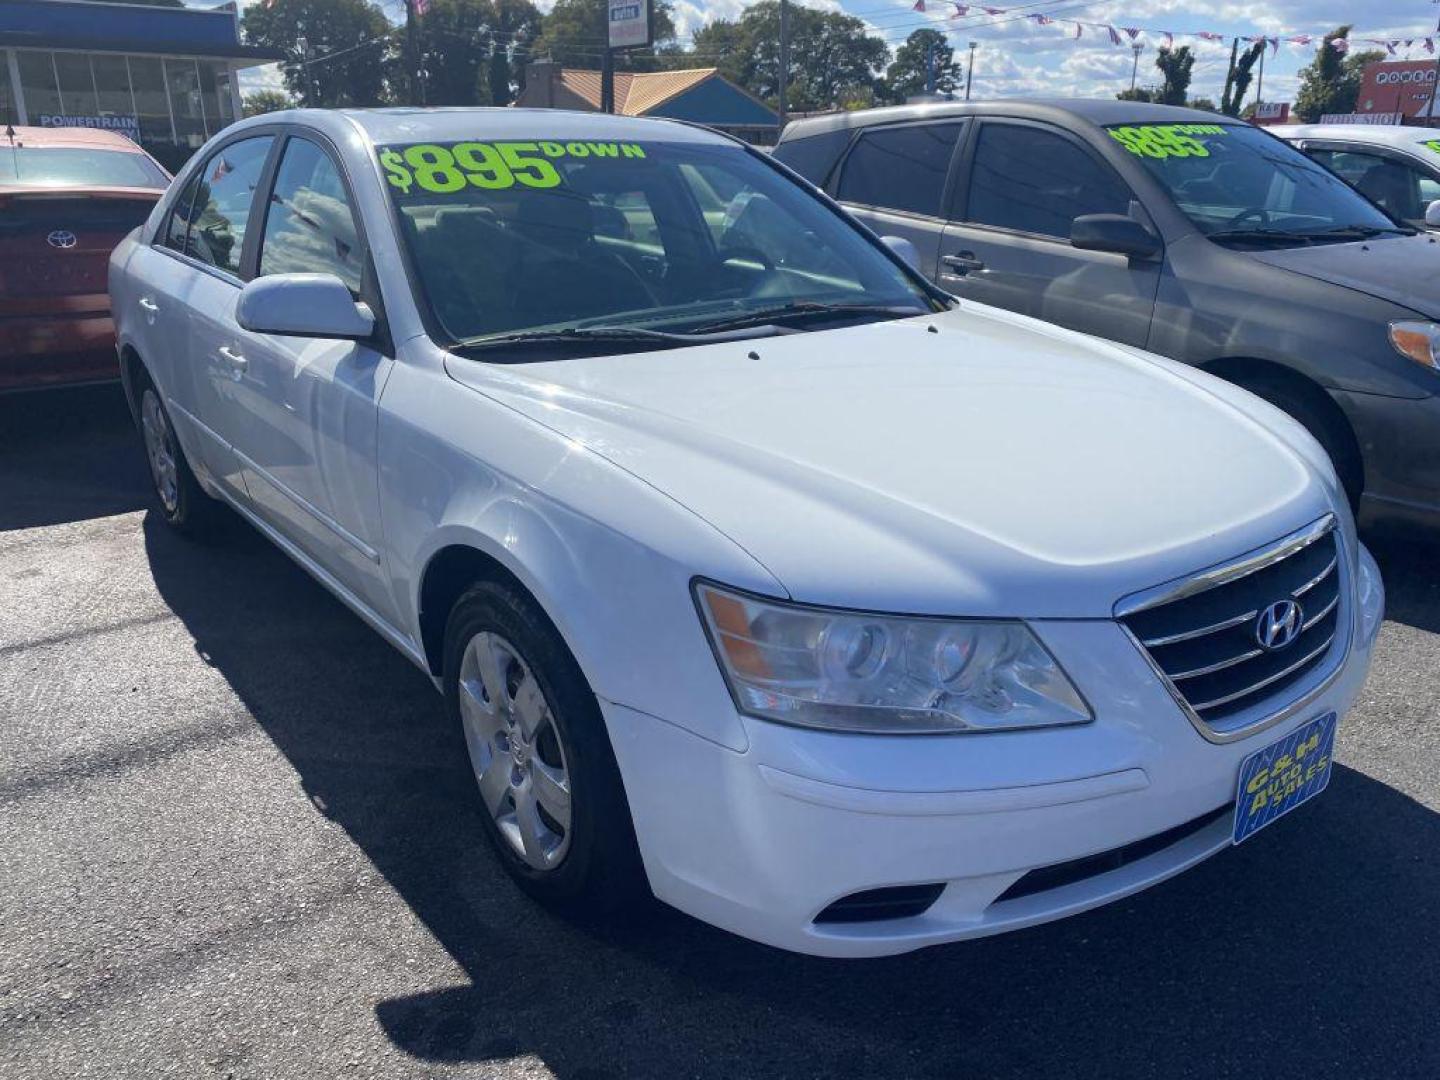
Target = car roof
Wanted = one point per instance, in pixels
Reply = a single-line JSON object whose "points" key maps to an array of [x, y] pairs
{"points": [[409, 125], [1061, 110], [1370, 134], [78, 138]]}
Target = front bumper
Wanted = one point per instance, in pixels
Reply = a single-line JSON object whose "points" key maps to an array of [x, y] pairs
{"points": [[1400, 445], [761, 842]]}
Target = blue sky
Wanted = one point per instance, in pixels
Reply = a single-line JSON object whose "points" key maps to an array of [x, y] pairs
{"points": [[1015, 57]]}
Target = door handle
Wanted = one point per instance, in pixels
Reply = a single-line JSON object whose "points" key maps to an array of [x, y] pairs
{"points": [[149, 306], [963, 262], [234, 359]]}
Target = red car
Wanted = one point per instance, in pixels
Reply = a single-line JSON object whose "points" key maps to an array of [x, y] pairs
{"points": [[67, 197]]}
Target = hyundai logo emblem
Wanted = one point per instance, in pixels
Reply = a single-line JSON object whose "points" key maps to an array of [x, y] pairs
{"points": [[61, 238], [1279, 625]]}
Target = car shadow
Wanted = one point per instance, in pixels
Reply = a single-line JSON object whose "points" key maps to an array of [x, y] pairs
{"points": [[1305, 952], [1408, 559], [69, 455]]}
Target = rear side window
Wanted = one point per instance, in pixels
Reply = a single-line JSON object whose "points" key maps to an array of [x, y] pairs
{"points": [[814, 158], [178, 228], [310, 227], [900, 168], [220, 211], [1036, 181]]}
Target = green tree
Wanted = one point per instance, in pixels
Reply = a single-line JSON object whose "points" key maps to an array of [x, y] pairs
{"points": [[833, 61], [355, 32], [1140, 93], [1175, 65], [1237, 78], [1331, 82], [1204, 104], [575, 33], [266, 101], [908, 72], [471, 49]]}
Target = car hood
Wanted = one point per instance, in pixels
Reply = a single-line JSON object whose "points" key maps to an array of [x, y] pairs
{"points": [[1402, 269], [974, 462]]}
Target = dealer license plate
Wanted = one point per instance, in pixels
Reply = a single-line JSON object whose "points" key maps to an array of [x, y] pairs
{"points": [[1275, 780]]}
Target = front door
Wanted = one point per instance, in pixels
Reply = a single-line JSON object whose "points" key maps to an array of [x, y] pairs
{"points": [[1009, 243], [307, 446]]}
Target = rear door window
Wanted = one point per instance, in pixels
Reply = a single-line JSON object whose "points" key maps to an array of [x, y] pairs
{"points": [[224, 197], [1390, 183], [1035, 181], [902, 168], [814, 158]]}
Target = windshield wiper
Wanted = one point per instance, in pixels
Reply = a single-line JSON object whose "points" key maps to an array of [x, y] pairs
{"points": [[1264, 236], [1363, 232], [805, 309], [580, 335]]}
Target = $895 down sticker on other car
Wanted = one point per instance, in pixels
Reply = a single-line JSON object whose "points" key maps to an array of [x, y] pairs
{"points": [[449, 168]]}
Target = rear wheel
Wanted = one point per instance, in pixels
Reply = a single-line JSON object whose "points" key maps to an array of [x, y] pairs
{"points": [[552, 802], [183, 503]]}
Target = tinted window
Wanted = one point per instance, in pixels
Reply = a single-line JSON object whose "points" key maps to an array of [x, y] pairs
{"points": [[1394, 186], [178, 228], [221, 209], [813, 158], [900, 168], [1038, 182], [310, 228]]}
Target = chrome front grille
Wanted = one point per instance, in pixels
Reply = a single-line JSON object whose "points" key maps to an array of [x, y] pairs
{"points": [[1210, 639]]}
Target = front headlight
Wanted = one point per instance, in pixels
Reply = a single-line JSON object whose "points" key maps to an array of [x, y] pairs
{"points": [[1420, 341], [854, 671]]}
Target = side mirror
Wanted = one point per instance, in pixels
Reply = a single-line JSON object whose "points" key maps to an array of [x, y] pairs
{"points": [[303, 305], [1113, 232], [1432, 215], [904, 248]]}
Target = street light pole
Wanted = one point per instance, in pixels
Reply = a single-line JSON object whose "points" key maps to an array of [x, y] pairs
{"points": [[1135, 68], [784, 80], [970, 69]]}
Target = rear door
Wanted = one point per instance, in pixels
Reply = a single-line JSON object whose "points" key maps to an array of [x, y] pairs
{"points": [[1023, 185], [897, 178], [194, 296]]}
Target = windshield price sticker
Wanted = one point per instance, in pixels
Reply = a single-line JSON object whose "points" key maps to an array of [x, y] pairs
{"points": [[444, 169], [1166, 140], [1433, 144]]}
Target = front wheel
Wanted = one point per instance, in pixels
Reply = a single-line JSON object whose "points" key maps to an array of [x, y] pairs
{"points": [[553, 805]]}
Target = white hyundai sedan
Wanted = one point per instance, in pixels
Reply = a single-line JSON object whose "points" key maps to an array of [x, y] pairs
{"points": [[758, 573]]}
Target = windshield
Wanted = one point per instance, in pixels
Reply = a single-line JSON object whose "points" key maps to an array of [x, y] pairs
{"points": [[47, 166], [515, 237], [1232, 180]]}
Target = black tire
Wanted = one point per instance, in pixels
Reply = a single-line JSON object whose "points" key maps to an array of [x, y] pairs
{"points": [[600, 872], [183, 502], [1332, 434]]}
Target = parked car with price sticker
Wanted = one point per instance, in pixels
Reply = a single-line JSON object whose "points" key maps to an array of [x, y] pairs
{"points": [[757, 572], [1188, 234], [1397, 168]]}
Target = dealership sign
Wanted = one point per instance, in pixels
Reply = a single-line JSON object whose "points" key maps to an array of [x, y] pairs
{"points": [[1402, 86], [1378, 119], [1272, 112], [125, 125], [630, 23]]}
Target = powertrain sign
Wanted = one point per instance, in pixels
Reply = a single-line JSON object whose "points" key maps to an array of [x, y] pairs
{"points": [[630, 23], [125, 125]]}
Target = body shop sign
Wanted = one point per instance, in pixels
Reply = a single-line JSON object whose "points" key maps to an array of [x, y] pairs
{"points": [[125, 125], [629, 23]]}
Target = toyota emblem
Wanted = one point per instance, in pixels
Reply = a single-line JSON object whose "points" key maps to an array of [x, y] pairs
{"points": [[1279, 625], [62, 238]]}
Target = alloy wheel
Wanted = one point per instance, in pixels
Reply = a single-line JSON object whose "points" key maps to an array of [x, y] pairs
{"points": [[516, 751], [160, 450]]}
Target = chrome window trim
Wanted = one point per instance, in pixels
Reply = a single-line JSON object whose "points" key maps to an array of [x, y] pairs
{"points": [[1249, 563]]}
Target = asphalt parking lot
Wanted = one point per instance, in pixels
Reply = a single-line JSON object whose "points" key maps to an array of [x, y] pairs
{"points": [[239, 839]]}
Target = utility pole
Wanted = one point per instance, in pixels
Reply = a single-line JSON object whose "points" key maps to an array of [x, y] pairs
{"points": [[607, 79], [1260, 82], [930, 68], [412, 50], [1135, 67], [970, 70], [783, 83], [1435, 86]]}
